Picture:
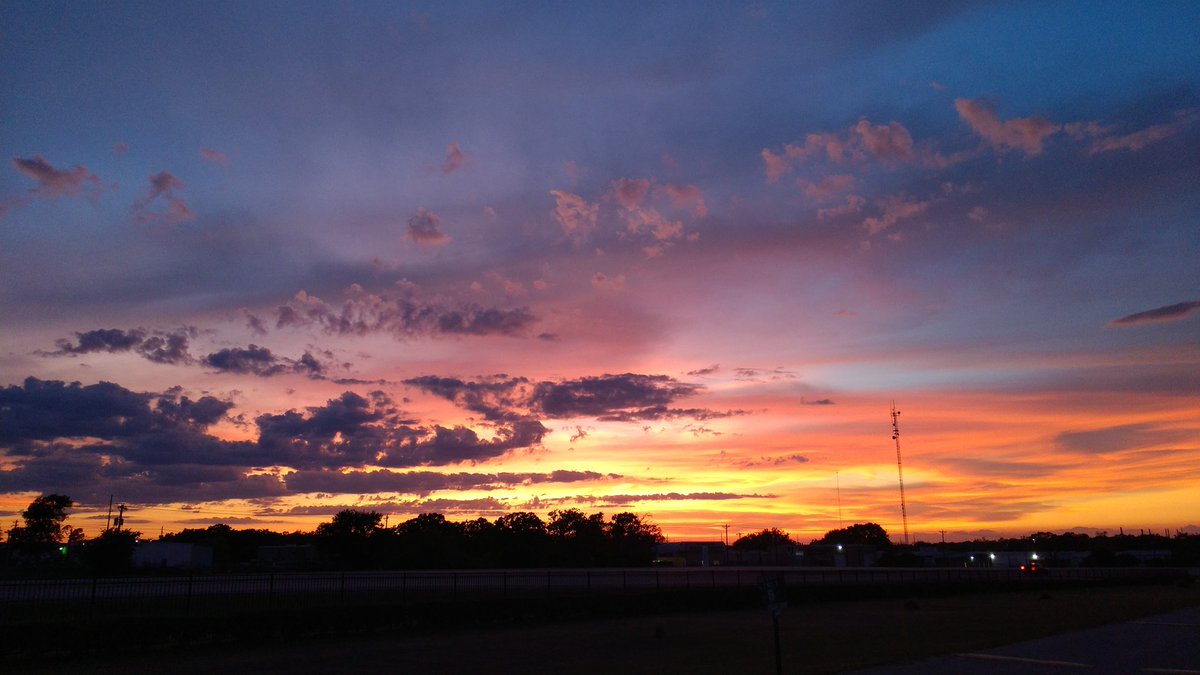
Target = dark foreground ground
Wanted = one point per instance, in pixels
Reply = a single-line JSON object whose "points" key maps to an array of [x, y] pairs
{"points": [[822, 636]]}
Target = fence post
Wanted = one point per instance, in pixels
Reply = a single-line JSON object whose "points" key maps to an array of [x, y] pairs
{"points": [[271, 591], [187, 607], [343, 588]]}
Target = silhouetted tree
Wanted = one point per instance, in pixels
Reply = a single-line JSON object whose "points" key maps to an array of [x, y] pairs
{"points": [[111, 552], [869, 534], [44, 528], [347, 540], [579, 539], [430, 541], [763, 540], [523, 540], [631, 540]]}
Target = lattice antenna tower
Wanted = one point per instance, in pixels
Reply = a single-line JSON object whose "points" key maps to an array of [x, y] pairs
{"points": [[900, 468]]}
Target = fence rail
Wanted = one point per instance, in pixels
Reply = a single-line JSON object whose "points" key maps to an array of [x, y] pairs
{"points": [[55, 599]]}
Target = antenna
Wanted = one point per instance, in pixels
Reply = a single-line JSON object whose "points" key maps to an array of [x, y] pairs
{"points": [[899, 468]]}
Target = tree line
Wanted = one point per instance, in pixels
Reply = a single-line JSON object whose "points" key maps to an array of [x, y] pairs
{"points": [[360, 539]]}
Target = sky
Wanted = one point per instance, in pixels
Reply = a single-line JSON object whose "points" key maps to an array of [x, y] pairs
{"points": [[261, 262]]}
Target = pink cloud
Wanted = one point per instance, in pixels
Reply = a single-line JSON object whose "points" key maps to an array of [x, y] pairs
{"points": [[630, 193], [163, 184], [854, 204], [455, 159], [775, 165], [575, 214], [54, 182], [1140, 139], [686, 197], [214, 156], [601, 281], [1026, 134], [895, 209], [886, 142], [829, 186], [425, 228]]}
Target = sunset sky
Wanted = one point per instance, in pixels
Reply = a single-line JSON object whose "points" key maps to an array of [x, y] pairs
{"points": [[262, 261]]}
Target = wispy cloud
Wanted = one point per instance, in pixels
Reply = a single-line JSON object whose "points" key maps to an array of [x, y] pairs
{"points": [[1165, 314], [52, 182]]}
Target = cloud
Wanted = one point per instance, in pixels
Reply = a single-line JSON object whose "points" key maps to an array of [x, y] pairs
{"points": [[686, 198], [156, 446], [854, 205], [423, 483], [364, 313], [774, 165], [886, 142], [630, 193], [425, 228], [52, 182], [1026, 134], [1140, 139], [1166, 314], [601, 281], [163, 184], [157, 346], [622, 500], [255, 360], [214, 156], [1121, 438], [455, 159], [829, 186], [895, 209], [890, 143], [626, 397], [575, 214]]}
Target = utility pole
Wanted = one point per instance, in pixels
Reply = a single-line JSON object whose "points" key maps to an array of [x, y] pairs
{"points": [[120, 520], [726, 526], [108, 520], [899, 468]]}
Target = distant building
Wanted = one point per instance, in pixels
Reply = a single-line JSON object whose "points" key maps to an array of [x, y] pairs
{"points": [[691, 554], [839, 555], [289, 557], [171, 554]]}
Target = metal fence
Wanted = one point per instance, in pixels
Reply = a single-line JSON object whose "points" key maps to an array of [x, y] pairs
{"points": [[56, 599]]}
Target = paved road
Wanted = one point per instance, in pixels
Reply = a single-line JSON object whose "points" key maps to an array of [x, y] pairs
{"points": [[1167, 644]]}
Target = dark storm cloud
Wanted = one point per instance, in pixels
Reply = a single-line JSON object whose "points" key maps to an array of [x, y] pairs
{"points": [[157, 346], [1165, 314], [255, 360], [157, 445], [612, 398], [402, 317]]}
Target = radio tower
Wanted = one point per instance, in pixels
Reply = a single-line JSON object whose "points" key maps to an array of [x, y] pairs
{"points": [[899, 468]]}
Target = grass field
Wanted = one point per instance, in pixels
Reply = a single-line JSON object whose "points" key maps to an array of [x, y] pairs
{"points": [[824, 636]]}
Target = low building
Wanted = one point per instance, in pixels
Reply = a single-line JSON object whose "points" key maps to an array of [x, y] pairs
{"points": [[691, 554], [172, 554], [287, 557]]}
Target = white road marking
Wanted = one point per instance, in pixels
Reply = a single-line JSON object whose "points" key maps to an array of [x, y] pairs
{"points": [[1018, 659]]}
